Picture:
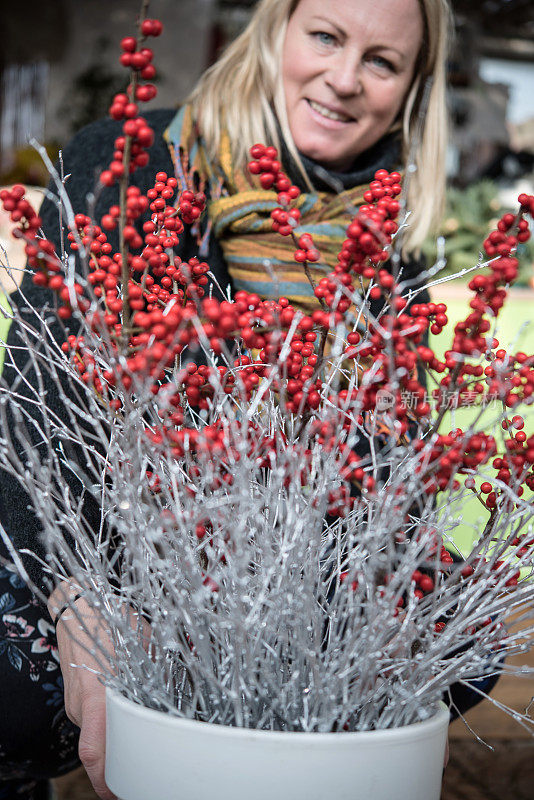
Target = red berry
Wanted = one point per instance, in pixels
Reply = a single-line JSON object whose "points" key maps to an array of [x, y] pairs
{"points": [[116, 111], [107, 178], [148, 73], [138, 60], [257, 151], [129, 44], [145, 93], [145, 136], [129, 128], [116, 168], [267, 180], [146, 27], [426, 583]]}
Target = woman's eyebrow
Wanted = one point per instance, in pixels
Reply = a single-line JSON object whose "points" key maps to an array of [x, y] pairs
{"points": [[318, 18]]}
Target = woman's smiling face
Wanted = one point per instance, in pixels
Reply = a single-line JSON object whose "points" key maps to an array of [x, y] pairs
{"points": [[347, 66]]}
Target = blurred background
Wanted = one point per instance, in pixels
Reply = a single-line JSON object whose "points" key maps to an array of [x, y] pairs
{"points": [[59, 70]]}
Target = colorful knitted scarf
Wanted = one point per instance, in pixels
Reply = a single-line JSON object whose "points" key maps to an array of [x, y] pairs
{"points": [[259, 260]]}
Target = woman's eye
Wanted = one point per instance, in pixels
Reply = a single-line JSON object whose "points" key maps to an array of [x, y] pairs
{"points": [[324, 38], [383, 63]]}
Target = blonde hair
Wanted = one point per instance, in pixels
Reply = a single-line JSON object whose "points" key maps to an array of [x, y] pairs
{"points": [[243, 94]]}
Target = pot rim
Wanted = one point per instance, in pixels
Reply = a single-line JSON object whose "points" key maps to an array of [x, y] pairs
{"points": [[417, 730]]}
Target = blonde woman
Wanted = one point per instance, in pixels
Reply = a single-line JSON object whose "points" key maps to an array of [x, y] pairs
{"points": [[342, 89]]}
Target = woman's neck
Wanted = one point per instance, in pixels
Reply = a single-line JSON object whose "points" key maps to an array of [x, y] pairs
{"points": [[384, 154]]}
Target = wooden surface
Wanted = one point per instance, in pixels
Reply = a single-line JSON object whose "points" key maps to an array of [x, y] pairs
{"points": [[477, 773], [75, 786], [489, 722]]}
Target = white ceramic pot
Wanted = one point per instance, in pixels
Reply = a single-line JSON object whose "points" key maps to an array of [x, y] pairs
{"points": [[152, 755]]}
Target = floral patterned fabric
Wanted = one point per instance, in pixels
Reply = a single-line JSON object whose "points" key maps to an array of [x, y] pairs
{"points": [[37, 740]]}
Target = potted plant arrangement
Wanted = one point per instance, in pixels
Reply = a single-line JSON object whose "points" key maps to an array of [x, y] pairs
{"points": [[282, 606]]}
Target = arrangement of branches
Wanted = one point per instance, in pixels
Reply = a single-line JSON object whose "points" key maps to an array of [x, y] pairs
{"points": [[258, 502]]}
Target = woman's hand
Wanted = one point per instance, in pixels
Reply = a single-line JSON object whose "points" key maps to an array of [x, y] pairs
{"points": [[85, 701]]}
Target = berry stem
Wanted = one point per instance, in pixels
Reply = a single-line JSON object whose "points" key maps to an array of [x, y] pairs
{"points": [[123, 186], [306, 266], [488, 529], [443, 410]]}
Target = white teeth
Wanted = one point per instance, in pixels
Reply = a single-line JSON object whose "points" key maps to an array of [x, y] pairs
{"points": [[327, 113]]}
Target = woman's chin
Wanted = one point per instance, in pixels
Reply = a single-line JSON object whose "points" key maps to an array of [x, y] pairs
{"points": [[326, 148]]}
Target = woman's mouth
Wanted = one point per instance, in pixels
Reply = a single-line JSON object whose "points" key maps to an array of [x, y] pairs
{"points": [[328, 113]]}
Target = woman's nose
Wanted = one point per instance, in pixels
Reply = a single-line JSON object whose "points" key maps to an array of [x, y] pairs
{"points": [[344, 76]]}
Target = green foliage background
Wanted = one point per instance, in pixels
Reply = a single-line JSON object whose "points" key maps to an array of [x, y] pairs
{"points": [[471, 214]]}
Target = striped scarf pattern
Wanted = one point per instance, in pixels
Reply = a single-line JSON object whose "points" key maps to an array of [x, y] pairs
{"points": [[259, 260]]}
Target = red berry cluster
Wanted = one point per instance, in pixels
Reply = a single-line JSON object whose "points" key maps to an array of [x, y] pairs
{"points": [[137, 58], [369, 236], [142, 138], [340, 501], [514, 468], [306, 250], [191, 275], [259, 325], [424, 581], [434, 313], [20, 210], [263, 327], [137, 135], [265, 164], [105, 267], [151, 27], [191, 205], [489, 289], [509, 378], [136, 206], [395, 348], [40, 252], [198, 385], [209, 442], [450, 454], [511, 230], [83, 358], [285, 218]]}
